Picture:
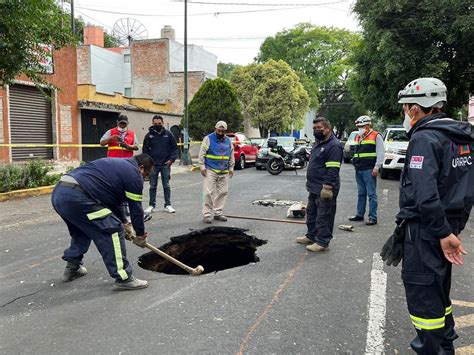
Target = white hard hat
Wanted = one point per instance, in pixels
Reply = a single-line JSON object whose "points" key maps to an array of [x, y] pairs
{"points": [[363, 121], [426, 92]]}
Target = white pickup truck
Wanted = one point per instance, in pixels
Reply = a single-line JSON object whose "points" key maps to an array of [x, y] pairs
{"points": [[396, 143]]}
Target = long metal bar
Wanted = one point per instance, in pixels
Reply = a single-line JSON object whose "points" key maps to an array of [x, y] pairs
{"points": [[266, 219]]}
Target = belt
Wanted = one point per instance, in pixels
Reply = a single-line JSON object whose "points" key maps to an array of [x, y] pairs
{"points": [[71, 185]]}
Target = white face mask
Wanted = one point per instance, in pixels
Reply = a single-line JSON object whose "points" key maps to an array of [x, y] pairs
{"points": [[406, 122], [122, 129], [361, 131]]}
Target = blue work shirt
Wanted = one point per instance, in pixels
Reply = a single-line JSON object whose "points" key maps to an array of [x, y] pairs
{"points": [[113, 182], [324, 165]]}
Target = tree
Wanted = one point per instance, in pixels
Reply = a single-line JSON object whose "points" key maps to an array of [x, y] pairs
{"points": [[321, 57], [272, 96], [224, 70], [404, 40], [215, 100], [25, 27]]}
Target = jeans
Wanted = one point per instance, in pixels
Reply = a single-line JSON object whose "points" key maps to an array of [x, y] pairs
{"points": [[366, 185], [165, 171], [320, 216]]}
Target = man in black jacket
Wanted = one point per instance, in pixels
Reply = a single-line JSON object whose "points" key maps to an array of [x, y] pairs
{"points": [[436, 197], [322, 183], [161, 145]]}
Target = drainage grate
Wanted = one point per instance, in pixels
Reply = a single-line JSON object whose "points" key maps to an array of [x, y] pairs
{"points": [[215, 248]]}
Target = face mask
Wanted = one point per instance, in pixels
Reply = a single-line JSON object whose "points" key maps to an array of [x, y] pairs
{"points": [[220, 136], [158, 128], [407, 122], [361, 131], [318, 134], [120, 129]]}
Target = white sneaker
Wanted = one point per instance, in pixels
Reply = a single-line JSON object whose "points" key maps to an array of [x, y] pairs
{"points": [[149, 209], [169, 209]]}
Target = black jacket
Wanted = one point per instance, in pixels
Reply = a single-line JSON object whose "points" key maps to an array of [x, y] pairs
{"points": [[161, 146], [324, 165], [437, 184]]}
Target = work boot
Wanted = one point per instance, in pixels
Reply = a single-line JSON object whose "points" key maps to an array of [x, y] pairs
{"points": [[316, 247], [371, 222], [220, 218], [73, 271], [356, 218], [207, 219], [304, 240], [132, 283]]}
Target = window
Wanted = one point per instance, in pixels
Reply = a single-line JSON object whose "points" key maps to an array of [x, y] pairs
{"points": [[126, 58], [397, 136], [128, 92]]}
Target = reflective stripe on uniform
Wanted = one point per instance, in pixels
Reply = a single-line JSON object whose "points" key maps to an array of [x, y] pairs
{"points": [[365, 155], [333, 164], [217, 157], [133, 197], [367, 141], [426, 323], [118, 256], [99, 214], [219, 171], [449, 310], [115, 147]]}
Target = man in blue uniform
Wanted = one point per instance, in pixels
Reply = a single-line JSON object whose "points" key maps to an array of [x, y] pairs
{"points": [[89, 200], [322, 183], [436, 198]]}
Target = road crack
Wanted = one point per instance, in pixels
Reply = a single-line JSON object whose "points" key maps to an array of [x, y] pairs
{"points": [[20, 297]]}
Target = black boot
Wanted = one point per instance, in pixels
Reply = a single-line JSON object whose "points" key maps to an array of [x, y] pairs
{"points": [[73, 271]]}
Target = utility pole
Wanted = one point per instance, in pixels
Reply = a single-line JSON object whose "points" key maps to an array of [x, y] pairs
{"points": [[73, 26], [186, 157]]}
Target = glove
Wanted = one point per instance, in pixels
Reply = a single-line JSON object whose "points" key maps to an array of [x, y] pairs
{"points": [[129, 232], [140, 240], [326, 194], [392, 251]]}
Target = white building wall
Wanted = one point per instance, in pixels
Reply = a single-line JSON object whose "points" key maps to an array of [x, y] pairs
{"points": [[107, 70], [127, 70], [198, 59]]}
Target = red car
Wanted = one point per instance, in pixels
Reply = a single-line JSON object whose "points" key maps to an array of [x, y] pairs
{"points": [[244, 150]]}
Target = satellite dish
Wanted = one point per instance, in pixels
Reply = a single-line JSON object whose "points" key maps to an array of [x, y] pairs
{"points": [[128, 30]]}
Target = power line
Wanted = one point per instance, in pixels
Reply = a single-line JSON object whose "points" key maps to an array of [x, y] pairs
{"points": [[260, 4]]}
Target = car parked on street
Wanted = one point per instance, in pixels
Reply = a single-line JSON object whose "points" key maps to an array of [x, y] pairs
{"points": [[245, 151], [259, 141], [349, 147], [395, 141], [288, 143]]}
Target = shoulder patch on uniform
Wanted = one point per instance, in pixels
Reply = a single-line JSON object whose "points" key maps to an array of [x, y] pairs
{"points": [[416, 162], [464, 149]]}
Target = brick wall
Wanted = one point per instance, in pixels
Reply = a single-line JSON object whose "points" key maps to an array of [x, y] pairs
{"points": [[65, 109], [84, 65]]}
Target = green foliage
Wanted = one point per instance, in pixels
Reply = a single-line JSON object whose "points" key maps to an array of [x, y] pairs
{"points": [[23, 26], [31, 175], [405, 40], [321, 56], [215, 100], [224, 70], [272, 96]]}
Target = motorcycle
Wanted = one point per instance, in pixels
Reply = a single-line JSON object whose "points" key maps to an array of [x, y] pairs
{"points": [[281, 159]]}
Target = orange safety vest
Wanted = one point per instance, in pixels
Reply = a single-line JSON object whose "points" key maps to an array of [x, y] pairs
{"points": [[114, 150], [365, 153]]}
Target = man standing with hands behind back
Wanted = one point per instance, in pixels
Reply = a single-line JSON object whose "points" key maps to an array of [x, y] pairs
{"points": [[160, 144], [216, 159]]}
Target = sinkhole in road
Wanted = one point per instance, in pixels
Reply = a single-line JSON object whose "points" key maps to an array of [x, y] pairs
{"points": [[215, 248]]}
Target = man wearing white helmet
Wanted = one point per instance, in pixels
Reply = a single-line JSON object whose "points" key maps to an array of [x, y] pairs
{"points": [[368, 158], [436, 198]]}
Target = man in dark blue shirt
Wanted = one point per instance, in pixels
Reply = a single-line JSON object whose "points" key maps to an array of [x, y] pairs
{"points": [[161, 145], [89, 200], [322, 183]]}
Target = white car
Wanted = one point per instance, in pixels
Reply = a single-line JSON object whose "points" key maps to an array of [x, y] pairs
{"points": [[396, 143]]}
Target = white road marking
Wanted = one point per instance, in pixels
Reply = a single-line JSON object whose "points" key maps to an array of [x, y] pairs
{"points": [[376, 308]]}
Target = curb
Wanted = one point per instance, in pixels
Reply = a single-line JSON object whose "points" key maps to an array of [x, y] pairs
{"points": [[44, 190]]}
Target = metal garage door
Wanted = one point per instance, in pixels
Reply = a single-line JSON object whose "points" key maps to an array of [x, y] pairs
{"points": [[30, 122]]}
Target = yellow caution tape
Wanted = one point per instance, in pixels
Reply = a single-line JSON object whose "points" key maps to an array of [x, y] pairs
{"points": [[67, 145]]}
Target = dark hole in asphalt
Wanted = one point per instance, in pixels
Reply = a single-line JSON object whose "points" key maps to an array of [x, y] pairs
{"points": [[215, 248]]}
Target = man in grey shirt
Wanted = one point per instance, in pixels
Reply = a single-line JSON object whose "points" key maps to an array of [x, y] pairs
{"points": [[368, 158]]}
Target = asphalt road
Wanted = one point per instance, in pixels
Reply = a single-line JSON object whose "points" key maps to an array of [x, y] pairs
{"points": [[339, 302]]}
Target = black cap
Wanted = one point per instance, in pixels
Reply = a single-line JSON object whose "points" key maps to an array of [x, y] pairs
{"points": [[122, 118]]}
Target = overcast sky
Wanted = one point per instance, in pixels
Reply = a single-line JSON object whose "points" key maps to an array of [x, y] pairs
{"points": [[232, 32]]}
